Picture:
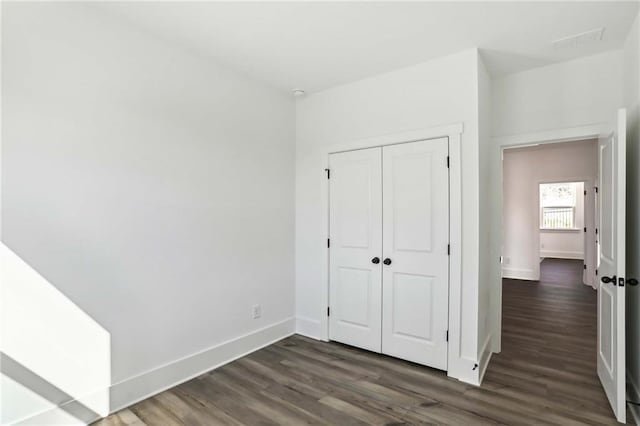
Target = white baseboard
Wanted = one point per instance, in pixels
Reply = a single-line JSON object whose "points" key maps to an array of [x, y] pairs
{"points": [[147, 384], [56, 416], [519, 274], [485, 357], [578, 255], [152, 382], [308, 327]]}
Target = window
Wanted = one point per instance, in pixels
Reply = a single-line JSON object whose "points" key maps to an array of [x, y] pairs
{"points": [[558, 205]]}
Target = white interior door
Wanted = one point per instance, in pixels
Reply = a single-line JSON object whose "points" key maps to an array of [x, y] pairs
{"points": [[415, 249], [355, 215], [611, 303]]}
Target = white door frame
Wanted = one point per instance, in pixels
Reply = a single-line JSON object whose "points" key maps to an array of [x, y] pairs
{"points": [[570, 134], [454, 134]]}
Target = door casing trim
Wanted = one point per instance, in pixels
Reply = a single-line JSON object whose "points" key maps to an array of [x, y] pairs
{"points": [[522, 140]]}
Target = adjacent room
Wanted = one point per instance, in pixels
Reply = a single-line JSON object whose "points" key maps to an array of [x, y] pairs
{"points": [[241, 213], [550, 263], [550, 196]]}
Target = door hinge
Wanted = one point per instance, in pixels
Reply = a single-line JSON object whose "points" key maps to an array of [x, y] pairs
{"points": [[328, 242], [596, 272], [585, 229], [447, 161], [447, 335], [585, 192], [328, 311], [328, 173], [596, 231], [448, 249], [584, 266], [596, 188]]}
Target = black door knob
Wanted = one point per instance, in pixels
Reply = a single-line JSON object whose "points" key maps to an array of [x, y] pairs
{"points": [[375, 260], [608, 280], [632, 281], [387, 261]]}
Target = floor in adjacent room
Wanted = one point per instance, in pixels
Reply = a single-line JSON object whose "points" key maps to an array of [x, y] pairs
{"points": [[545, 374]]}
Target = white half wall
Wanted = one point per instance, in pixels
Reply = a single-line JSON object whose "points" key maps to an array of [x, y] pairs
{"points": [[436, 93], [152, 187]]}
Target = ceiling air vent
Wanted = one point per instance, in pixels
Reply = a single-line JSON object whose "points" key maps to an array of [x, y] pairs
{"points": [[581, 39]]}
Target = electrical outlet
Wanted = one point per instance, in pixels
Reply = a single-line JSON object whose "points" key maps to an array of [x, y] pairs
{"points": [[257, 311]]}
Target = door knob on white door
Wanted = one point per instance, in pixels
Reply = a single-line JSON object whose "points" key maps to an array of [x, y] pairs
{"points": [[608, 280], [375, 260], [387, 261]]}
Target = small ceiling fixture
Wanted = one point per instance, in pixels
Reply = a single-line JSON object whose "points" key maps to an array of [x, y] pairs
{"points": [[587, 37], [297, 92]]}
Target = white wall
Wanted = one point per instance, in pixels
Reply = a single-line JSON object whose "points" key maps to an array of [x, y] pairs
{"points": [[569, 94], [631, 99], [567, 244], [435, 93], [524, 169], [153, 188], [489, 266], [49, 347]]}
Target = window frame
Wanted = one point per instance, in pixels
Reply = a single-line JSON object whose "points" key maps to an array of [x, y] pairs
{"points": [[541, 207]]}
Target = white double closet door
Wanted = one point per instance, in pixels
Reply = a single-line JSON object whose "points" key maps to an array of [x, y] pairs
{"points": [[389, 250]]}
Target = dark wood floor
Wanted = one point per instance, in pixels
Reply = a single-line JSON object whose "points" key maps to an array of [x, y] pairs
{"points": [[546, 374]]}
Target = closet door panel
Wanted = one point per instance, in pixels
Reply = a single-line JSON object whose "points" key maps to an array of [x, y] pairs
{"points": [[355, 212], [415, 240]]}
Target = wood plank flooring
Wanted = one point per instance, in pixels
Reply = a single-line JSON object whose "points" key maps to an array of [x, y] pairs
{"points": [[545, 374]]}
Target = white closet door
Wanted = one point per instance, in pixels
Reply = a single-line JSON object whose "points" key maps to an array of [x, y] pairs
{"points": [[415, 242], [355, 198]]}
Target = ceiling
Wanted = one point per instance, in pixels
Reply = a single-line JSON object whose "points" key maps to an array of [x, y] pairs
{"points": [[317, 45]]}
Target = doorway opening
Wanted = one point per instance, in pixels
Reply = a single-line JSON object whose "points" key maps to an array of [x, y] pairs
{"points": [[549, 332], [567, 224], [550, 252], [549, 208]]}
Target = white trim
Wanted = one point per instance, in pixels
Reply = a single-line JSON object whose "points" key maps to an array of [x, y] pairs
{"points": [[555, 254], [485, 357], [309, 327], [458, 367], [55, 416], [519, 274], [395, 138], [570, 134], [61, 414], [159, 379], [154, 381]]}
